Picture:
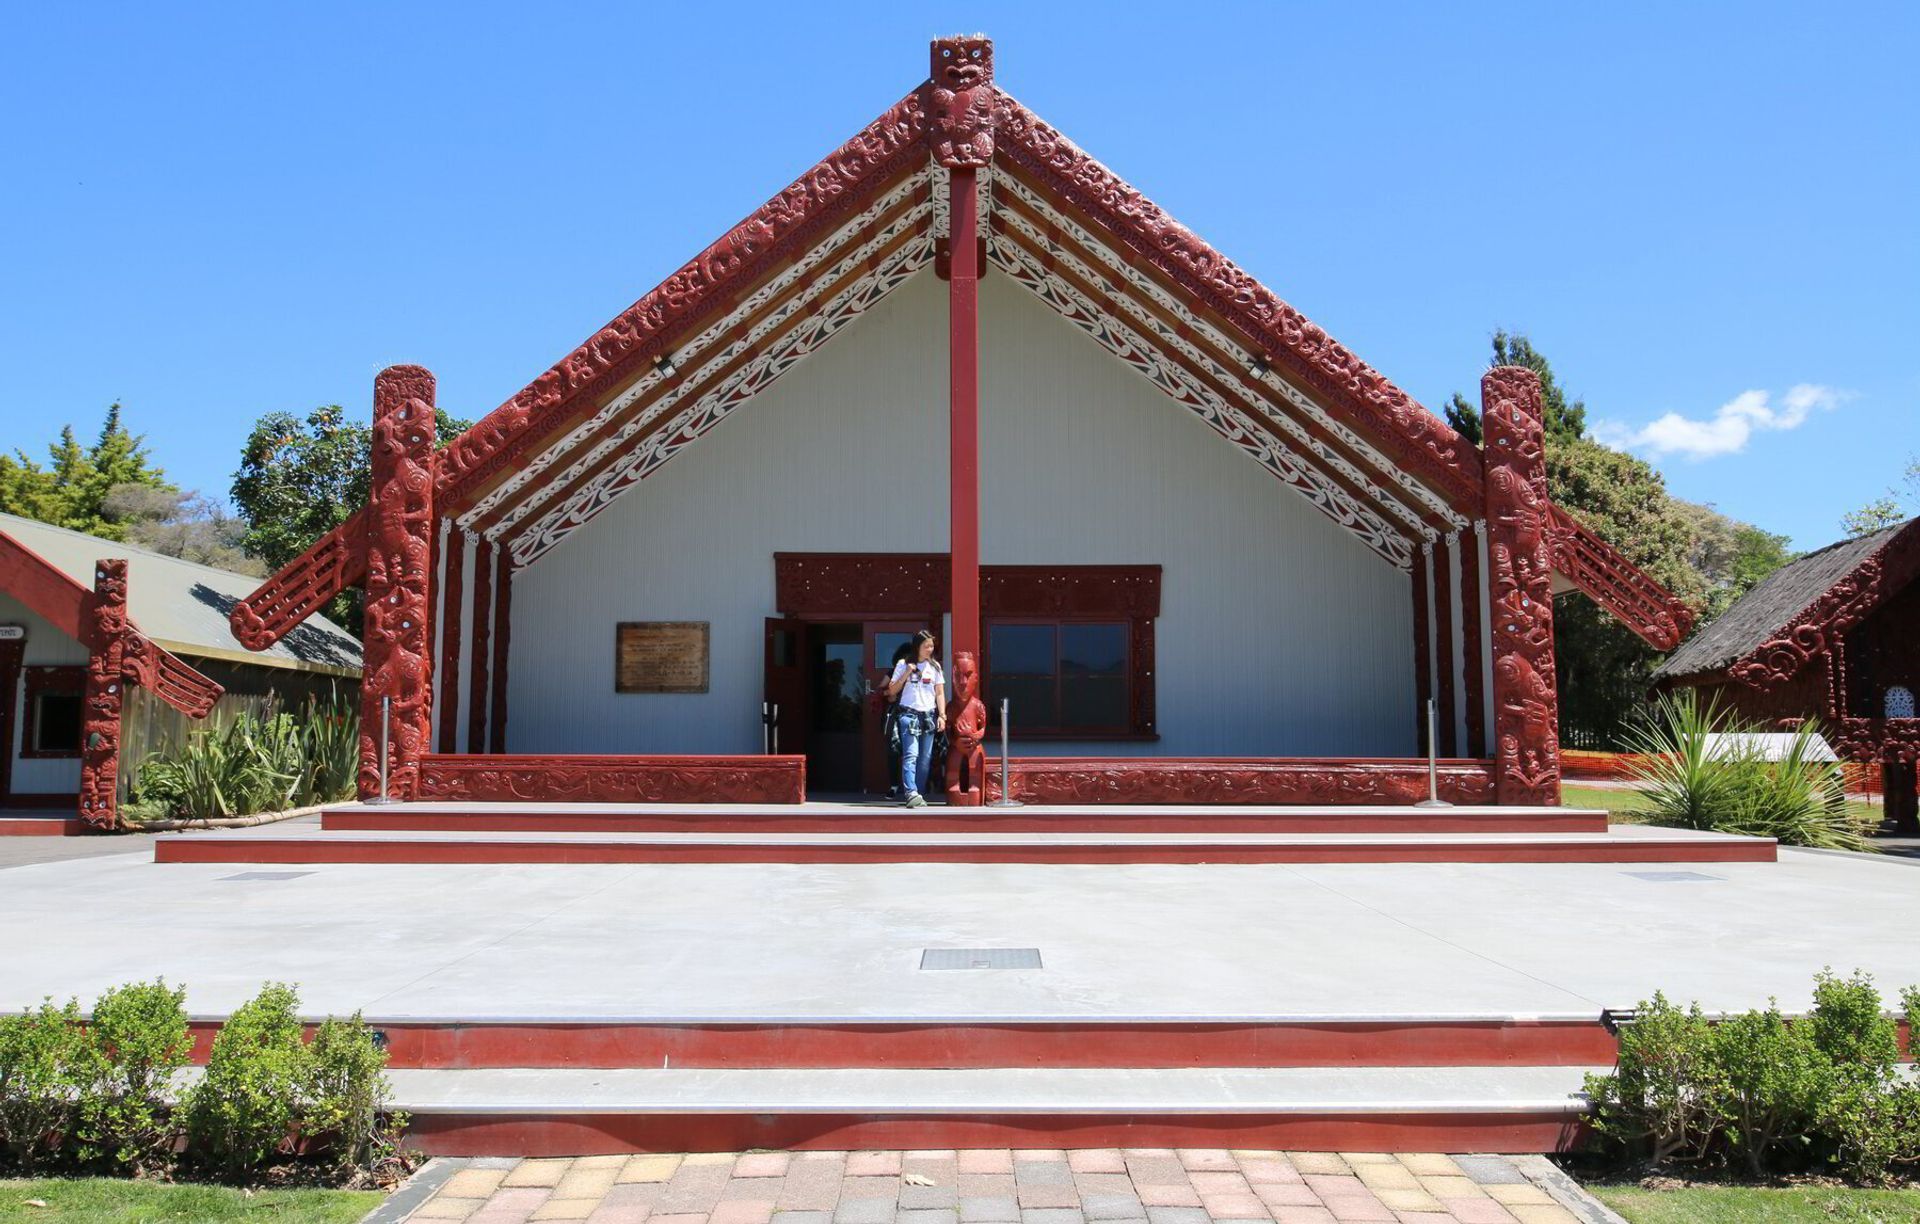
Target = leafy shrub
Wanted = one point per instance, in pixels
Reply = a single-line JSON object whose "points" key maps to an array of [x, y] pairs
{"points": [[245, 763], [46, 1056], [347, 1092], [139, 1033], [242, 1112], [1824, 1093], [1692, 781]]}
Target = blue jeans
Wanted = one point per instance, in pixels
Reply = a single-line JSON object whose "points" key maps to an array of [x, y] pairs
{"points": [[916, 751]]}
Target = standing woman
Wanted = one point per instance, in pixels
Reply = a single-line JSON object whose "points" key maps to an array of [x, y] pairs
{"points": [[920, 687]]}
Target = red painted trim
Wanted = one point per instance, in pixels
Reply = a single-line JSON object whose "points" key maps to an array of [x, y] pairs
{"points": [[615, 779], [836, 188], [45, 588], [301, 587], [502, 647], [1243, 780], [1443, 636], [346, 848], [1422, 649], [32, 826], [963, 414], [453, 606], [1162, 818], [966, 1044], [480, 682], [1818, 630], [586, 1134], [1473, 658], [1595, 567], [1415, 439]]}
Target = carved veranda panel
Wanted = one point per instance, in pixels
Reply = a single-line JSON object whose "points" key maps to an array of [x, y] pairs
{"points": [[615, 779]]}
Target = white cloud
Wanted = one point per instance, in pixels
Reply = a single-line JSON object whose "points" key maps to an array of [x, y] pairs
{"points": [[1727, 431]]}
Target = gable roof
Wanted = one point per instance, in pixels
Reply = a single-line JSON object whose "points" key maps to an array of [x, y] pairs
{"points": [[1762, 613], [872, 214], [184, 606]]}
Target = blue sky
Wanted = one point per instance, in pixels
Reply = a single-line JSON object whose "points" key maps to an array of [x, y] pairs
{"points": [[1706, 216]]}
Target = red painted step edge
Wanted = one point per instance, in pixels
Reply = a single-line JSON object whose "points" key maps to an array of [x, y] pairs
{"points": [[36, 826], [586, 1134], [343, 849], [970, 1044], [930, 820]]}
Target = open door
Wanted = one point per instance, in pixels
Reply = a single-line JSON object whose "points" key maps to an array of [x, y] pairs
{"points": [[784, 702]]}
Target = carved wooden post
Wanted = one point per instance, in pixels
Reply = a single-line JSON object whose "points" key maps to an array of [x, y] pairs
{"points": [[961, 134], [1520, 563], [399, 585], [105, 692]]}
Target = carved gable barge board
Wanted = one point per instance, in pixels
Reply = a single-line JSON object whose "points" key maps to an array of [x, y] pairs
{"points": [[1119, 336], [1024, 212], [580, 454], [686, 427], [1599, 571], [1237, 426], [1819, 629], [741, 257], [1230, 780], [301, 587], [613, 779], [1418, 440]]}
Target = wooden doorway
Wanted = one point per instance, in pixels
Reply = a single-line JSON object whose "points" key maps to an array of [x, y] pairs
{"points": [[825, 697], [12, 651]]}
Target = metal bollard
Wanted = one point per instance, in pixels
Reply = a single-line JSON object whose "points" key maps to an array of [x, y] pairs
{"points": [[386, 749], [1006, 798], [1433, 799]]}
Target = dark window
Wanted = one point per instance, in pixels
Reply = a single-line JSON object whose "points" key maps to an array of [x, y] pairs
{"points": [[54, 704], [1062, 677], [56, 723]]}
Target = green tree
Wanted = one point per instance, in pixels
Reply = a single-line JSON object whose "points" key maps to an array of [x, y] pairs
{"points": [[72, 489], [1563, 419], [1892, 507], [299, 479], [1731, 557]]}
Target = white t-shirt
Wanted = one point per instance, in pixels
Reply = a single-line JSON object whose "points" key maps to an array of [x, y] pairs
{"points": [[924, 680]]}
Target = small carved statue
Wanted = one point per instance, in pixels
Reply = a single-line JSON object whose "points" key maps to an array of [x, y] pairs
{"points": [[967, 759]]}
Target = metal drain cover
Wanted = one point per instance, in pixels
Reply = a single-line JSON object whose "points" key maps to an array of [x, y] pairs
{"points": [[980, 958], [1671, 877], [267, 875]]}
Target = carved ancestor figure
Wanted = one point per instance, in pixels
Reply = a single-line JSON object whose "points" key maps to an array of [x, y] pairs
{"points": [[106, 684], [967, 760], [964, 99]]}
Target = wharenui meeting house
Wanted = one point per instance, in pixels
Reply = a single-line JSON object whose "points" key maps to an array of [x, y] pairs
{"points": [[961, 376]]}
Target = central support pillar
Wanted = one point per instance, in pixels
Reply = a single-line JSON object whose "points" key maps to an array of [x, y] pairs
{"points": [[963, 444]]}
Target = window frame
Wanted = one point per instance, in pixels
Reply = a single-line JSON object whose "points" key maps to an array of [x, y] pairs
{"points": [[1137, 670], [62, 679]]}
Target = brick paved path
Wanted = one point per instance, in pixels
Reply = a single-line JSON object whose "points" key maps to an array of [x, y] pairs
{"points": [[1095, 1186]]}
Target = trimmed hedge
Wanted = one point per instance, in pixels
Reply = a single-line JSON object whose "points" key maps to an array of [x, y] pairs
{"points": [[108, 1093]]}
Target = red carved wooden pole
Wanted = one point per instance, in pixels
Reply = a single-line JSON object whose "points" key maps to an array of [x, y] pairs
{"points": [[1520, 559], [399, 614], [961, 134], [452, 609], [105, 692], [1422, 645], [1443, 587], [1472, 656]]}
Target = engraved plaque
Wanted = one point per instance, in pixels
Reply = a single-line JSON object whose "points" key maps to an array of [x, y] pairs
{"points": [[660, 657]]}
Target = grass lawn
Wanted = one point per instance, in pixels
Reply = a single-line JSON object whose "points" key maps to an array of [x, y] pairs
{"points": [[1730, 1204], [110, 1200]]}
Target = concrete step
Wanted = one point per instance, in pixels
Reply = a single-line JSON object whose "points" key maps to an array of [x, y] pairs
{"points": [[1620, 844], [978, 1042], [530, 1112], [891, 818]]}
